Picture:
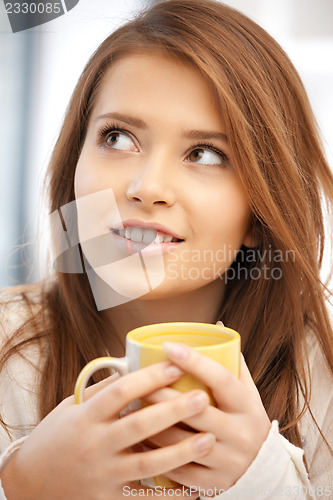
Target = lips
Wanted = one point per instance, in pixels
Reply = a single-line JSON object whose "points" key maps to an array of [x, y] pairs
{"points": [[145, 235], [139, 235]]}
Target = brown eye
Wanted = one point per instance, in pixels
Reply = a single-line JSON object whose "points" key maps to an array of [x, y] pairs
{"points": [[196, 155], [206, 156], [112, 138], [119, 141]]}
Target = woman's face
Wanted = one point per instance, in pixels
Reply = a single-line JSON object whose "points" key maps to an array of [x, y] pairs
{"points": [[156, 165]]}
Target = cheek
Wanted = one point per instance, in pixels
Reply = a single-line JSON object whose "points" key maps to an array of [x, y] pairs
{"points": [[86, 180], [229, 217], [82, 176], [91, 175], [234, 217], [96, 196]]}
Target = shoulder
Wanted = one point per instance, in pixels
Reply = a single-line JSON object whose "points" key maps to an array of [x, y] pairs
{"points": [[22, 354]]}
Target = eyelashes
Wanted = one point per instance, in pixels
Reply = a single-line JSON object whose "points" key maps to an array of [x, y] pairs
{"points": [[106, 130], [210, 147], [109, 128]]}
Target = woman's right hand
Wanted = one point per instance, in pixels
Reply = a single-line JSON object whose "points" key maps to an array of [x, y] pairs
{"points": [[83, 452]]}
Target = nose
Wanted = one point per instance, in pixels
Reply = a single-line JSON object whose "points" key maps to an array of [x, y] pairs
{"points": [[152, 184]]}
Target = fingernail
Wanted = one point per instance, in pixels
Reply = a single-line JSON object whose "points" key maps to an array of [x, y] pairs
{"points": [[176, 351], [198, 400], [204, 442], [173, 371]]}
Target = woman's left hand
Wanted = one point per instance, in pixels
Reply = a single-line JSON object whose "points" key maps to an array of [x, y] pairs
{"points": [[239, 422]]}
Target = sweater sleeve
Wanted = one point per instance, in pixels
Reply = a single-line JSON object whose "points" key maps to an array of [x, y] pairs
{"points": [[19, 382], [6, 455], [318, 453], [277, 472]]}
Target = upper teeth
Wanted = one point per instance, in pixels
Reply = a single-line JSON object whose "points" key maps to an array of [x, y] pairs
{"points": [[144, 235]]}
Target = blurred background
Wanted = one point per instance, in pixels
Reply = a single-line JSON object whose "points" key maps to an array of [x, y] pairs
{"points": [[39, 68]]}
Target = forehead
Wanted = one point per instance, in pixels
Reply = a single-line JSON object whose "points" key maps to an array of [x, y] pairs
{"points": [[154, 82]]}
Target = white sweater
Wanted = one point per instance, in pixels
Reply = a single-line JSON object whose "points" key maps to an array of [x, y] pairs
{"points": [[277, 472]]}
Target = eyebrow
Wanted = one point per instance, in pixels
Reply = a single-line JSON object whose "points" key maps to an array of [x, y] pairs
{"points": [[187, 134], [130, 120]]}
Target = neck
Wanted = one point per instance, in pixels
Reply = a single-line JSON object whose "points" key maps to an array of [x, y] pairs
{"points": [[200, 306]]}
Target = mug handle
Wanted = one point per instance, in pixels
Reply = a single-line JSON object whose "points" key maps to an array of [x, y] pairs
{"points": [[121, 365]]}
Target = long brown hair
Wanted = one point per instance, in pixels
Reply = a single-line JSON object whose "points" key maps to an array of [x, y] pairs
{"points": [[276, 150]]}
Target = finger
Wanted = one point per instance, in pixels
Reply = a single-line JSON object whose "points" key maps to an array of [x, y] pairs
{"points": [[110, 400], [174, 435], [210, 420], [195, 476], [161, 395], [155, 418], [170, 436], [228, 390], [94, 389], [158, 462]]}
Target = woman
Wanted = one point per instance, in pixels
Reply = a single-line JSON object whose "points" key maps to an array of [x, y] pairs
{"points": [[189, 122]]}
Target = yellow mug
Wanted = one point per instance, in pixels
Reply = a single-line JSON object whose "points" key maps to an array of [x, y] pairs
{"points": [[144, 347]]}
